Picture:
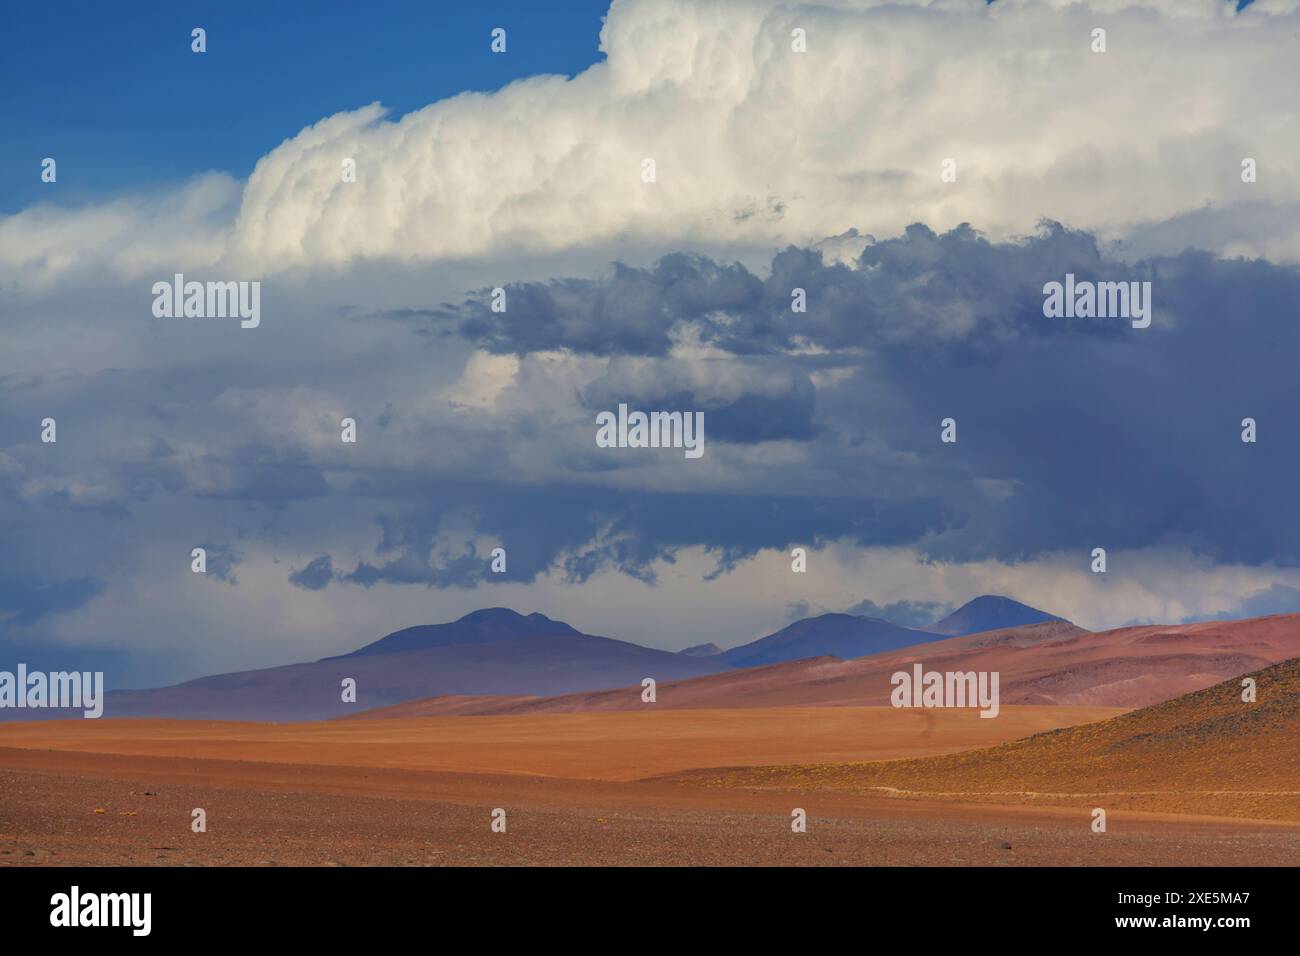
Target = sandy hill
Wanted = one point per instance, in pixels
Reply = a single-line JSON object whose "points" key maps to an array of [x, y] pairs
{"points": [[1207, 752], [752, 687]]}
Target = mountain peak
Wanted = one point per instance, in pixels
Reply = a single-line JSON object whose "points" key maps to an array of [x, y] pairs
{"points": [[834, 634], [701, 650], [989, 612], [489, 625], [505, 615]]}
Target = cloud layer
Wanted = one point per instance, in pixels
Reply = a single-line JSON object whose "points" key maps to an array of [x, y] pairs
{"points": [[755, 143], [774, 171]]}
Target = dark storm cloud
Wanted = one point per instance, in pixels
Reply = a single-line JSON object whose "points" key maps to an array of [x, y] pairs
{"points": [[580, 531], [26, 598], [29, 600], [955, 288], [316, 575], [783, 410], [628, 313], [1073, 433], [221, 561]]}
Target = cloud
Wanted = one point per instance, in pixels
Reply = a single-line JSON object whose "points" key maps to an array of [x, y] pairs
{"points": [[130, 236], [1274, 599], [775, 171], [917, 614], [820, 426], [632, 311], [925, 326], [315, 576], [755, 143], [955, 290], [221, 561], [26, 599], [580, 531]]}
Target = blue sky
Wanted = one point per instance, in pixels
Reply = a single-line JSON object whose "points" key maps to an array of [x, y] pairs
{"points": [[114, 93], [775, 169]]}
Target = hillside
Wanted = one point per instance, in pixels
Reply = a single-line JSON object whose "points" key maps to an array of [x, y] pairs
{"points": [[1207, 752]]}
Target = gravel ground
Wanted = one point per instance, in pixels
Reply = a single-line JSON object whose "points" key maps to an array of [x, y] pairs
{"points": [[268, 815]]}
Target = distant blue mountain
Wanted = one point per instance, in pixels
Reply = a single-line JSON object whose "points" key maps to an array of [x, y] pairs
{"points": [[492, 625], [495, 651], [989, 612], [701, 650], [840, 635]]}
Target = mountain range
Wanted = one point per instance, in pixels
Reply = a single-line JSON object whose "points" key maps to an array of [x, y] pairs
{"points": [[852, 635], [490, 653], [495, 651], [497, 660], [1052, 663]]}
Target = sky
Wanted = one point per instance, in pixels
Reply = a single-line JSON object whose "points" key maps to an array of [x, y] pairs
{"points": [[119, 98], [920, 171]]}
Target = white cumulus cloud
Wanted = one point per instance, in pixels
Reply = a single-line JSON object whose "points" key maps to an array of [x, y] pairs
{"points": [[756, 143]]}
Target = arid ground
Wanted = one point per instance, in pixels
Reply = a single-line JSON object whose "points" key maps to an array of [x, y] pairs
{"points": [[1204, 752], [588, 788]]}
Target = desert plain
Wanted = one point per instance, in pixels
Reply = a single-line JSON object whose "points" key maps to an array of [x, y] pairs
{"points": [[654, 787]]}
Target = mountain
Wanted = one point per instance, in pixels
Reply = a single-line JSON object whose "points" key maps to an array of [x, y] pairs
{"points": [[701, 650], [989, 612], [512, 658], [491, 652], [491, 625], [837, 635], [1053, 663]]}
